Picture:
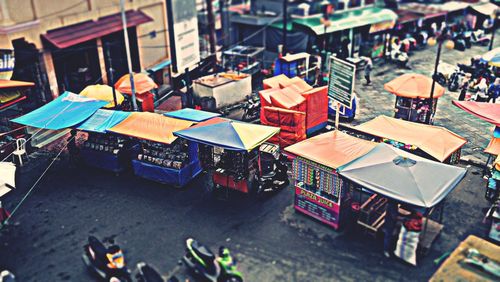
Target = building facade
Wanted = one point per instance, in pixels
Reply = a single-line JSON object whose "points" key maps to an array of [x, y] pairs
{"points": [[66, 45]]}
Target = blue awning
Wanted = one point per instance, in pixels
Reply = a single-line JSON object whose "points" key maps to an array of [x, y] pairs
{"points": [[67, 110], [102, 120], [159, 66], [192, 115]]}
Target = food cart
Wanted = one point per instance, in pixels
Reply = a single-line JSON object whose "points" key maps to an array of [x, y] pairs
{"points": [[470, 261], [232, 151], [416, 188], [428, 141], [319, 190], [161, 156], [104, 150], [221, 90], [302, 65], [244, 59], [413, 92]]}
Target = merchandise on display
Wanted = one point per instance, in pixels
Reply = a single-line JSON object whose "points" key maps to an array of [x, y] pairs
{"points": [[173, 156], [317, 178], [104, 143]]}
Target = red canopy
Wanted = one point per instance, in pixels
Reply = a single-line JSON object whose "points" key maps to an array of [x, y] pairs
{"points": [[485, 111]]}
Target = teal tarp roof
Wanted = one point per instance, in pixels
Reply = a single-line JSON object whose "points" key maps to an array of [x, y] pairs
{"points": [[192, 115], [67, 110], [102, 120]]}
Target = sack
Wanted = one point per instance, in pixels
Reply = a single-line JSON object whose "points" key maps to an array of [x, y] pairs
{"points": [[406, 248]]}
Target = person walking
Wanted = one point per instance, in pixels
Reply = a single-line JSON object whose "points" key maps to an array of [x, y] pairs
{"points": [[494, 91], [368, 70]]}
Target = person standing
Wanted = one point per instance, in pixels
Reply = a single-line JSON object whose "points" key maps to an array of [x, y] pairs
{"points": [[391, 218], [464, 87], [368, 70], [494, 91]]}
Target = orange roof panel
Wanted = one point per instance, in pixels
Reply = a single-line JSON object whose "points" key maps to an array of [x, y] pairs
{"points": [[413, 85], [436, 141], [14, 83], [333, 149], [493, 147]]}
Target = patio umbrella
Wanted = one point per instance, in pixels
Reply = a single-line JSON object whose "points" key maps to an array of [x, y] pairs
{"points": [[486, 111], [142, 82], [403, 176], [228, 134], [413, 85], [103, 93], [7, 177], [492, 57]]}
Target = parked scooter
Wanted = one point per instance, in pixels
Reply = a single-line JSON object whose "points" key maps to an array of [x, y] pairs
{"points": [[206, 265], [456, 79], [106, 262], [251, 108], [146, 273], [400, 58], [478, 37], [7, 276]]}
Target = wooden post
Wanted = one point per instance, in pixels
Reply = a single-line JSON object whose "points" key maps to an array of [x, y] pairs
{"points": [[102, 62], [51, 74]]}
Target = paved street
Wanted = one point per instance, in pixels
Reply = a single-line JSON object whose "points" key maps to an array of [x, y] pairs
{"points": [[272, 242]]}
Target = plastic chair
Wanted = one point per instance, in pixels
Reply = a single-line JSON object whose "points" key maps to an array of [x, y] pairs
{"points": [[20, 150]]}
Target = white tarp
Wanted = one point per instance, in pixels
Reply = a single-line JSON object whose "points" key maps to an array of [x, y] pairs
{"points": [[7, 177], [403, 176]]}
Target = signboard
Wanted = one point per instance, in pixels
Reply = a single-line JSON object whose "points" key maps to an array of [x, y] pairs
{"points": [[317, 207], [6, 63], [183, 32], [341, 81]]}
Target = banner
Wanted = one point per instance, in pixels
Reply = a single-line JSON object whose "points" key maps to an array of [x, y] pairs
{"points": [[341, 81], [317, 207], [183, 32], [6, 63]]}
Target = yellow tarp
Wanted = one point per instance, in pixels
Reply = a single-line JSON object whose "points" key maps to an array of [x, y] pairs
{"points": [[436, 141], [333, 149], [103, 93], [151, 126], [493, 147]]}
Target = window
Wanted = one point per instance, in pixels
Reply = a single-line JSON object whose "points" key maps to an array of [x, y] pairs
{"points": [[354, 3], [369, 2]]}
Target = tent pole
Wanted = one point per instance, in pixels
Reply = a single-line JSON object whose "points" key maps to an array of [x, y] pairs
{"points": [[485, 168], [111, 77], [337, 115]]}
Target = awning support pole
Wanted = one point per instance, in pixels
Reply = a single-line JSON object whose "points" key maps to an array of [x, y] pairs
{"points": [[127, 49]]}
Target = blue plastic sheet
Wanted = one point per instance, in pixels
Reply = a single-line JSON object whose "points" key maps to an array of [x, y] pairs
{"points": [[102, 120], [175, 177], [66, 111], [192, 115], [103, 160]]}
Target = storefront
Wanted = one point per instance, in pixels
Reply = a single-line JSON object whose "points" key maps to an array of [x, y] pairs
{"points": [[319, 191]]}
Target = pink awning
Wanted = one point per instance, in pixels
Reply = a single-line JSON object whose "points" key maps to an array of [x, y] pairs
{"points": [[485, 111]]}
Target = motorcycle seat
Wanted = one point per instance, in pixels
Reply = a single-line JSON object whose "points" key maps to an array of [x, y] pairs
{"points": [[203, 252], [270, 174]]}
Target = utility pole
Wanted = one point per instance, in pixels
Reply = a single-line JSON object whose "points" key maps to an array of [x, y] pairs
{"points": [[211, 30], [285, 23], [224, 21], [111, 77], [127, 48]]}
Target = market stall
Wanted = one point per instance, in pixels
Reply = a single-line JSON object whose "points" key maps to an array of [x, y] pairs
{"points": [[475, 259], [161, 156], [105, 150], [319, 190], [493, 173], [432, 142], [213, 92], [413, 97], [489, 112], [143, 85], [416, 188], [232, 151]]}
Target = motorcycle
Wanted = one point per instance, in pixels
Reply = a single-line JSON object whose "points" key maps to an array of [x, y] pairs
{"points": [[251, 108], [478, 37], [7, 276], [400, 58], [146, 273], [106, 262], [204, 263], [273, 169]]}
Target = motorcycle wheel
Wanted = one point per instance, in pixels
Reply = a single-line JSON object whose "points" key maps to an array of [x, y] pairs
{"points": [[233, 279], [453, 86]]}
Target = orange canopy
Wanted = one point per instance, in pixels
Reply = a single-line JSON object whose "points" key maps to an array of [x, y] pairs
{"points": [[436, 141], [142, 82], [493, 147], [333, 149], [14, 83], [413, 85], [151, 126]]}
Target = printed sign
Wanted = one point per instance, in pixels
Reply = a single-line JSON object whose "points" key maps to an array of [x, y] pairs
{"points": [[317, 207], [6, 63], [183, 31], [341, 81]]}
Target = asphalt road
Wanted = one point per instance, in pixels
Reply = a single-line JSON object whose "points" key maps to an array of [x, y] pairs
{"points": [[272, 242]]}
